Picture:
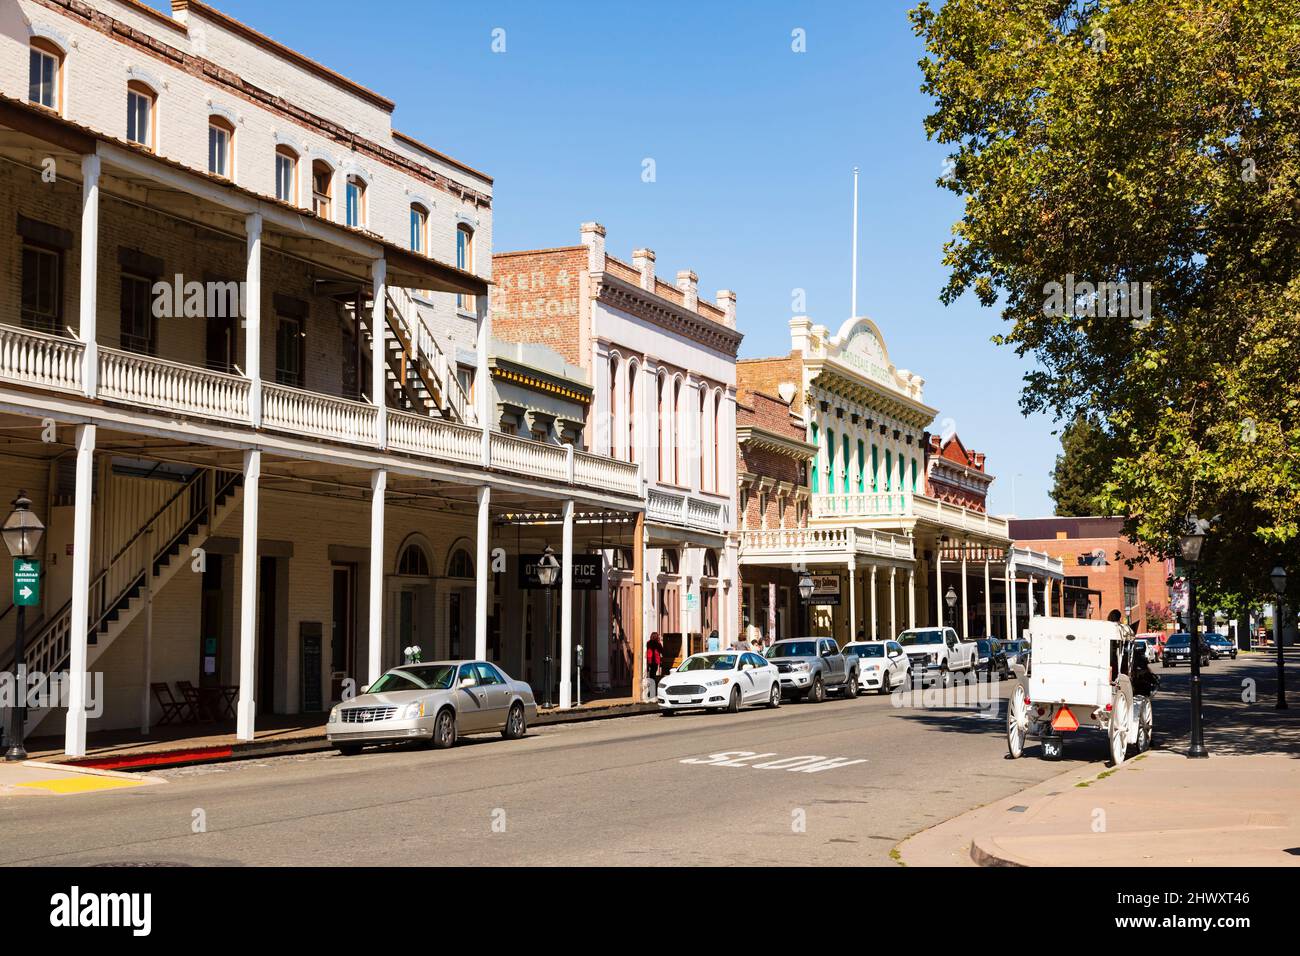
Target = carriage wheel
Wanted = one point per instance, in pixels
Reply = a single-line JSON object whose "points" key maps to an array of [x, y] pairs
{"points": [[1144, 727], [1017, 720], [1121, 711]]}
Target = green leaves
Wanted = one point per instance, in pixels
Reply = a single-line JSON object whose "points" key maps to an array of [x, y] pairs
{"points": [[1145, 141]]}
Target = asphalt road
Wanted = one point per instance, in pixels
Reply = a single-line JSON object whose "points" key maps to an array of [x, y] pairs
{"points": [[632, 791]]}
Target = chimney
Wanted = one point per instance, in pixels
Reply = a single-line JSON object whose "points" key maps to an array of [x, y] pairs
{"points": [[643, 260], [726, 301], [689, 283], [593, 237]]}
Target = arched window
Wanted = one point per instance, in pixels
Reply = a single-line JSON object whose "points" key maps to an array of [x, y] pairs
{"points": [[703, 417], [614, 426], [286, 175], [221, 147], [679, 417], [661, 387], [830, 462], [413, 562], [631, 411], [718, 447], [862, 465], [669, 561], [322, 189], [710, 563], [464, 260], [460, 564], [419, 228], [141, 101], [816, 466], [356, 202], [848, 464], [45, 74]]}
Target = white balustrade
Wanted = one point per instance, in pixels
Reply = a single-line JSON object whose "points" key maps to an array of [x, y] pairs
{"points": [[318, 416], [170, 386], [434, 437], [597, 471], [669, 508], [528, 457], [34, 358]]}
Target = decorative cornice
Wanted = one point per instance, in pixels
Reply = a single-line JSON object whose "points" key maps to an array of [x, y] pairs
{"points": [[625, 296], [527, 377], [773, 442]]}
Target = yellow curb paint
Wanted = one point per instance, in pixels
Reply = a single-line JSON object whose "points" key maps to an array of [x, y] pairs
{"points": [[80, 784]]}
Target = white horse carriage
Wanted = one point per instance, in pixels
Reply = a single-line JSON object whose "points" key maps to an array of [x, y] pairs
{"points": [[1082, 674]]}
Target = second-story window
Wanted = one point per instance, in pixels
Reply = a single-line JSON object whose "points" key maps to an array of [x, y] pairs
{"points": [[419, 228], [139, 331], [221, 141], [42, 289], [140, 120], [286, 175], [322, 189], [356, 202], [464, 261], [290, 351], [45, 75]]}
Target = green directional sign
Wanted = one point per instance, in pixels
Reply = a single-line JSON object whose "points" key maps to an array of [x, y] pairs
{"points": [[27, 582]]}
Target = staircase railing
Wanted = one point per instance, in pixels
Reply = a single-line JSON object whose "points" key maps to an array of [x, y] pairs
{"points": [[429, 352]]}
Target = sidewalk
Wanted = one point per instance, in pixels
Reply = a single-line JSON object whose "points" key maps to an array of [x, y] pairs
{"points": [[33, 778], [1239, 807], [187, 744]]}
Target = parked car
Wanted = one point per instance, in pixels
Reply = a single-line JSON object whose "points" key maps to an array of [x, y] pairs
{"points": [[723, 680], [990, 657], [432, 703], [1017, 652], [882, 665], [1155, 644], [1178, 650], [1144, 646], [936, 651], [811, 666], [1220, 646]]}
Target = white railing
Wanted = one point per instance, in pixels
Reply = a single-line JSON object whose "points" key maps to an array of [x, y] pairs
{"points": [[811, 541], [158, 383], [34, 358], [529, 457], [686, 510], [601, 472], [444, 372], [959, 518], [434, 437], [906, 504], [1026, 559], [319, 416]]}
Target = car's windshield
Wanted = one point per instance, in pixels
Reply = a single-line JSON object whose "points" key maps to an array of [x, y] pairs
{"points": [[920, 637], [1179, 640], [709, 662], [866, 650], [427, 677], [985, 647], [793, 649]]}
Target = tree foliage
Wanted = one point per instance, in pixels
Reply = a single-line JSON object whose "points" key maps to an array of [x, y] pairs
{"points": [[1081, 469], [1147, 141]]}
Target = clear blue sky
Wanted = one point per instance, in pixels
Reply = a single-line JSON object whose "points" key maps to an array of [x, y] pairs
{"points": [[753, 145]]}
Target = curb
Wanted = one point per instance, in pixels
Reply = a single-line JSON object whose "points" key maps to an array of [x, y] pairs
{"points": [[129, 764], [983, 857]]}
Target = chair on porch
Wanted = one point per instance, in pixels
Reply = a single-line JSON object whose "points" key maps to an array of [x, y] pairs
{"points": [[173, 710], [194, 701]]}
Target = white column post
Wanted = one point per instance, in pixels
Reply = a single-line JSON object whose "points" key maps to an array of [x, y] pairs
{"points": [[74, 741], [89, 307], [853, 600], [988, 598], [938, 584], [1030, 592], [375, 607], [248, 599], [566, 609], [893, 600], [253, 317], [1011, 601], [911, 597], [483, 373], [481, 571], [875, 617], [965, 610], [379, 348]]}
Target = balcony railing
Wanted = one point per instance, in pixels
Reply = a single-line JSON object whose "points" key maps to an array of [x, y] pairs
{"points": [[36, 359], [813, 542], [687, 511], [906, 504], [45, 361]]}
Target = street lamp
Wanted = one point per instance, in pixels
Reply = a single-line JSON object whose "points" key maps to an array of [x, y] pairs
{"points": [[547, 570], [22, 533], [1278, 578], [806, 588], [1189, 544], [951, 599]]}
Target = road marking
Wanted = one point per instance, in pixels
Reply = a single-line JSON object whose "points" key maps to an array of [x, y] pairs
{"points": [[80, 784], [809, 763]]}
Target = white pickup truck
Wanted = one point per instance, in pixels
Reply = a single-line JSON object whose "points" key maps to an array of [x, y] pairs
{"points": [[937, 652]]}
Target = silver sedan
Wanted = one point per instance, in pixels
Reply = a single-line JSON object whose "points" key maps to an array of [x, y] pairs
{"points": [[434, 704]]}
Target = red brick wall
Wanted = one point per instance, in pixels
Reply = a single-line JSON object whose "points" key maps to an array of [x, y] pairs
{"points": [[766, 375], [771, 414], [534, 299]]}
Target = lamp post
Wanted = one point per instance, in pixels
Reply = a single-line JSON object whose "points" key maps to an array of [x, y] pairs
{"points": [[1278, 578], [951, 600], [22, 533], [547, 569], [1189, 544], [805, 595]]}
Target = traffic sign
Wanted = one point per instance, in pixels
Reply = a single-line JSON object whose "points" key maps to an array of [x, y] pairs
{"points": [[27, 582]]}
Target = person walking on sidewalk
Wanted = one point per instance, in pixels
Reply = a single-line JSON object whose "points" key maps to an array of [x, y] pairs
{"points": [[654, 656]]}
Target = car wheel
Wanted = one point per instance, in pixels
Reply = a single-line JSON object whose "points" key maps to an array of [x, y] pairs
{"points": [[349, 751], [851, 687], [733, 702], [666, 713], [774, 698], [444, 729], [516, 724], [817, 692]]}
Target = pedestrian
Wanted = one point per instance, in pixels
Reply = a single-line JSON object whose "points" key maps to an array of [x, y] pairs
{"points": [[714, 643], [654, 656], [862, 635]]}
